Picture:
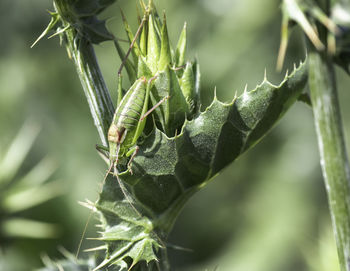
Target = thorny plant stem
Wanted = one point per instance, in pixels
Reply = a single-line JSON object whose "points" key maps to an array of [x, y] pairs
{"points": [[82, 53], [163, 260], [334, 160]]}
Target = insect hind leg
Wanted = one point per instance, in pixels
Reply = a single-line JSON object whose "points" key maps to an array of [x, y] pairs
{"points": [[138, 32], [154, 108]]}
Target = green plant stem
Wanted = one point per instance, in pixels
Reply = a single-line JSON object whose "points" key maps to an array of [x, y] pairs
{"points": [[164, 264], [334, 160], [82, 53]]}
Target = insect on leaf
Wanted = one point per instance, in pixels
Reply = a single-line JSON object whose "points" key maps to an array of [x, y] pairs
{"points": [[168, 170]]}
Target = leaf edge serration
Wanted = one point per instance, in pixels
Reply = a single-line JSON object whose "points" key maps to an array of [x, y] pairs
{"points": [[156, 177]]}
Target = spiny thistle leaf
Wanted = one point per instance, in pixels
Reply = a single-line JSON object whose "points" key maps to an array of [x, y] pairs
{"points": [[153, 45], [176, 108], [70, 263], [180, 153], [157, 59], [168, 170], [78, 27], [136, 52], [165, 55], [187, 83], [80, 15], [181, 48]]}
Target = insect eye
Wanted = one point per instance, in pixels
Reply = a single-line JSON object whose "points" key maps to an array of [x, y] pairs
{"points": [[113, 129]]}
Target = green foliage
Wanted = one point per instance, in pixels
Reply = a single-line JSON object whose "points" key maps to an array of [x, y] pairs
{"points": [[77, 25], [80, 15], [321, 30], [174, 77], [16, 192], [185, 149], [167, 171], [70, 263], [182, 150], [306, 13], [269, 202]]}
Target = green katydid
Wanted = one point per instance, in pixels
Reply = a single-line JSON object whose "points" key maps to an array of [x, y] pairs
{"points": [[128, 122], [126, 128]]}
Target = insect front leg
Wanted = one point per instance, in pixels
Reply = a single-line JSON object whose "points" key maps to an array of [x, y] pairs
{"points": [[133, 151], [115, 160], [115, 171]]}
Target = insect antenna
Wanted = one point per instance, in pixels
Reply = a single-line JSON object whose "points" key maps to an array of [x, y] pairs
{"points": [[90, 214], [83, 234], [125, 192], [132, 45]]}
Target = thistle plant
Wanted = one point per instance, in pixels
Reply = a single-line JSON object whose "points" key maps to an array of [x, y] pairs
{"points": [[180, 146]]}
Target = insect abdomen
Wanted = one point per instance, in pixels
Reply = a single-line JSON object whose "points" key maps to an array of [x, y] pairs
{"points": [[129, 111]]}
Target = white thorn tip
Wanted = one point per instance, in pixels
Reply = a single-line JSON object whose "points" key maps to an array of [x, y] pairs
{"points": [[87, 205], [245, 88]]}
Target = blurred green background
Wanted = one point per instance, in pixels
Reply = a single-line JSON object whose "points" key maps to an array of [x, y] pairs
{"points": [[267, 211]]}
